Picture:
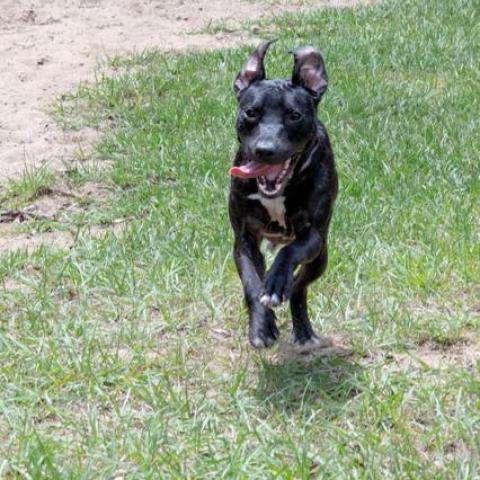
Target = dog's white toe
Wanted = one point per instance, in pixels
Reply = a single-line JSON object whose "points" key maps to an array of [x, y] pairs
{"points": [[270, 301]]}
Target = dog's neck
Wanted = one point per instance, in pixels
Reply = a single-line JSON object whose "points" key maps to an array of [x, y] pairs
{"points": [[305, 159]]}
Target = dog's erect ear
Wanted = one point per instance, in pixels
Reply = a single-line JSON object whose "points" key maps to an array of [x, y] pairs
{"points": [[309, 71], [253, 70]]}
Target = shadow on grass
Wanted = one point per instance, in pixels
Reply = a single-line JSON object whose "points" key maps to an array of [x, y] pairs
{"points": [[292, 381]]}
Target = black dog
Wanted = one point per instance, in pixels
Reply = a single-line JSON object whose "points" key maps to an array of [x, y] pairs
{"points": [[284, 185]]}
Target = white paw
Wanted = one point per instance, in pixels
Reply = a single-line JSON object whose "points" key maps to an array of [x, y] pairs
{"points": [[270, 301]]}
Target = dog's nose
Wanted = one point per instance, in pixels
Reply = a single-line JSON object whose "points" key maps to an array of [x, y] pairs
{"points": [[265, 150]]}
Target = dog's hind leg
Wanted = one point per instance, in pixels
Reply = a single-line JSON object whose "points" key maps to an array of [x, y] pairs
{"points": [[303, 334]]}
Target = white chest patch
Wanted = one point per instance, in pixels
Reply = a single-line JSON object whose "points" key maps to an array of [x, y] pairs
{"points": [[275, 207]]}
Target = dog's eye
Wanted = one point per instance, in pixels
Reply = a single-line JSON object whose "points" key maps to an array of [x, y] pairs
{"points": [[294, 115], [251, 113]]}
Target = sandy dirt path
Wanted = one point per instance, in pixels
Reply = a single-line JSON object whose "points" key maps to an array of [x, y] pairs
{"points": [[49, 46]]}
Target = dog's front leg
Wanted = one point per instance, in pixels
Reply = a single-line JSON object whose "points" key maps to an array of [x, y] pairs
{"points": [[250, 263], [279, 281]]}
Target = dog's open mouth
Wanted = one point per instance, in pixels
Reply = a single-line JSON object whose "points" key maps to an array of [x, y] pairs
{"points": [[271, 179]]}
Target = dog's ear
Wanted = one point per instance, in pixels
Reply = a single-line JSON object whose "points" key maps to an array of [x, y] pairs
{"points": [[309, 71], [253, 70]]}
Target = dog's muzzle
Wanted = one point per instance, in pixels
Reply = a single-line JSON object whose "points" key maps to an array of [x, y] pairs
{"points": [[271, 179]]}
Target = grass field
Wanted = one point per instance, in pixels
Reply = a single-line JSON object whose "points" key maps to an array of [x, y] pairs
{"points": [[126, 356]]}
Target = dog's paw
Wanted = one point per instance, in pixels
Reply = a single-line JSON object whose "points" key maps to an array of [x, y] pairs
{"points": [[264, 334], [277, 287], [270, 301]]}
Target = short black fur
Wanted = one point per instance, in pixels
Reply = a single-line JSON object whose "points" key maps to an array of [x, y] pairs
{"points": [[277, 123]]}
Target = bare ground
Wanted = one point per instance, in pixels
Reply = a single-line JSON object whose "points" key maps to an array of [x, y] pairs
{"points": [[49, 46]]}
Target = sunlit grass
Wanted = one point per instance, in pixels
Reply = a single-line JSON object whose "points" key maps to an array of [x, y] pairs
{"points": [[126, 356]]}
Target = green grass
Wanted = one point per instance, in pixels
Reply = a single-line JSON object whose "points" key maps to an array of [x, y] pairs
{"points": [[33, 183], [214, 27], [126, 356]]}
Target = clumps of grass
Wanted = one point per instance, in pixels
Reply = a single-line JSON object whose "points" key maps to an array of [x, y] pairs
{"points": [[126, 356], [34, 183], [135, 60], [214, 27]]}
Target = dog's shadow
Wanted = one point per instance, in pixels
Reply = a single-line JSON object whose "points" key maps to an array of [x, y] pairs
{"points": [[291, 380]]}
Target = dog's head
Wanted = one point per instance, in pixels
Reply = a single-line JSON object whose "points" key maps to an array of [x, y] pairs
{"points": [[276, 118]]}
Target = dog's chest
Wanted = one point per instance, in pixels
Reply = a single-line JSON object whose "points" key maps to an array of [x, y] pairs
{"points": [[277, 230], [274, 206]]}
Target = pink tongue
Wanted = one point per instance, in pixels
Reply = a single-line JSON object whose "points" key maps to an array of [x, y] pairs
{"points": [[253, 170]]}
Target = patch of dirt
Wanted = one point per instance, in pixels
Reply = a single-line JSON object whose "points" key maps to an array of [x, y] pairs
{"points": [[335, 346], [48, 206], [464, 300], [49, 46], [463, 353], [58, 204], [59, 239], [11, 240], [54, 205]]}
